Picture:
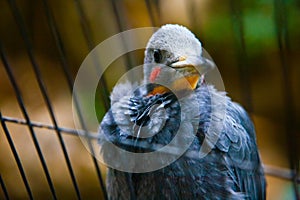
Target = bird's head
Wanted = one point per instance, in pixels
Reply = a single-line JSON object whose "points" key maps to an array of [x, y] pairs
{"points": [[176, 47]]}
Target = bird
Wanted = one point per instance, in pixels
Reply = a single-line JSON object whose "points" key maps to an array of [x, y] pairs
{"points": [[175, 98]]}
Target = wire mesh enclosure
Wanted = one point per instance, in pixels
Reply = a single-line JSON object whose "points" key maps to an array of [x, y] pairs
{"points": [[43, 43]]}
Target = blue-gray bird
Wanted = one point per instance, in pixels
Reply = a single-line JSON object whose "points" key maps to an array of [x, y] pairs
{"points": [[145, 118]]}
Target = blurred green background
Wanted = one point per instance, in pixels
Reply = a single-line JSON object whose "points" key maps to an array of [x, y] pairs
{"points": [[255, 44]]}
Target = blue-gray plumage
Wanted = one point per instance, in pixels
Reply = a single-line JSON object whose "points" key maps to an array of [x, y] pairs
{"points": [[231, 170]]}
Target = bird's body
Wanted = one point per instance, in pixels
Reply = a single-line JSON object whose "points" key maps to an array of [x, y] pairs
{"points": [[231, 170]]}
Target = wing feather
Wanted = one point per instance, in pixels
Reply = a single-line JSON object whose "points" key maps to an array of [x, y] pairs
{"points": [[238, 141]]}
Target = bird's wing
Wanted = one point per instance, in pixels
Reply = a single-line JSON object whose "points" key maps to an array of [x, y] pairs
{"points": [[238, 142]]}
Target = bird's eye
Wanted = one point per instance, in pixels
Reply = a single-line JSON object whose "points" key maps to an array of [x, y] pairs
{"points": [[157, 55]]}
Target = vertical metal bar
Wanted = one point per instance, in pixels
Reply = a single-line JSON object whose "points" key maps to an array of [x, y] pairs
{"points": [[283, 45], [90, 43], [150, 12], [24, 111], [3, 185], [42, 87], [195, 20], [119, 12], [58, 41], [153, 12], [156, 4], [64, 64], [243, 61], [121, 24], [17, 158], [193, 17]]}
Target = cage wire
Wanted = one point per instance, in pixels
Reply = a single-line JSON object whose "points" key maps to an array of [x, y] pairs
{"points": [[153, 9]]}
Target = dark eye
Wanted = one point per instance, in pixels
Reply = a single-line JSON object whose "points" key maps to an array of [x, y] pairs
{"points": [[157, 55]]}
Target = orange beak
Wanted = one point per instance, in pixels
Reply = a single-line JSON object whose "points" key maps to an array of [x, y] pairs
{"points": [[187, 83], [192, 68]]}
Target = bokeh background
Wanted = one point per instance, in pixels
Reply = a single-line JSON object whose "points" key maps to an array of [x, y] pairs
{"points": [[255, 44]]}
